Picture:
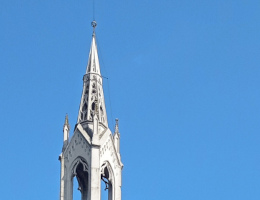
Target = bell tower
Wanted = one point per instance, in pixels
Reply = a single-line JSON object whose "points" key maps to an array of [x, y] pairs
{"points": [[92, 154]]}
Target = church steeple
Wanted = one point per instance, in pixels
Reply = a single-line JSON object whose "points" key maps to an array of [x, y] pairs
{"points": [[92, 154], [92, 99]]}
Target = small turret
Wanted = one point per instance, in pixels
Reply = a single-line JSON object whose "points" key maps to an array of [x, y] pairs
{"points": [[66, 131]]}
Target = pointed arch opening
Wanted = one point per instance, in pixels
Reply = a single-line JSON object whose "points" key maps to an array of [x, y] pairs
{"points": [[107, 182], [80, 180], [93, 106], [104, 191], [76, 193]]}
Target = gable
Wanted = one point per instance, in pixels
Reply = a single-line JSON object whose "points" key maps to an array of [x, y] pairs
{"points": [[77, 147], [108, 152]]}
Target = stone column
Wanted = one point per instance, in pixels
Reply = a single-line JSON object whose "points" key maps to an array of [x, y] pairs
{"points": [[95, 174], [95, 189], [61, 158]]}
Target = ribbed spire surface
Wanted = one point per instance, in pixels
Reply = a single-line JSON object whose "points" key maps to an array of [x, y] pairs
{"points": [[93, 61]]}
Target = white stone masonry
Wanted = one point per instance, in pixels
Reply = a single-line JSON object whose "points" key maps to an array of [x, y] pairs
{"points": [[93, 153]]}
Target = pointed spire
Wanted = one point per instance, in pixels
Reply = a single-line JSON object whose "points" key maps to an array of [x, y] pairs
{"points": [[93, 61], [92, 99]]}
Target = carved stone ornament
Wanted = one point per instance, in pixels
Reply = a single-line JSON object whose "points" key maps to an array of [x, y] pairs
{"points": [[77, 162]]}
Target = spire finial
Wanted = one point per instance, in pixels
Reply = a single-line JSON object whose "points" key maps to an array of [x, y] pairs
{"points": [[94, 24]]}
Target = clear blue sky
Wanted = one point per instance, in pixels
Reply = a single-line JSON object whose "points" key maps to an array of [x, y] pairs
{"points": [[183, 81]]}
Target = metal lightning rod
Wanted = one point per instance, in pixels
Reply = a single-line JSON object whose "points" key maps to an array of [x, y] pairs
{"points": [[94, 10]]}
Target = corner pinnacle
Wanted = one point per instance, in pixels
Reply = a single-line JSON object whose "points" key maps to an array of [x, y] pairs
{"points": [[116, 126], [66, 120]]}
